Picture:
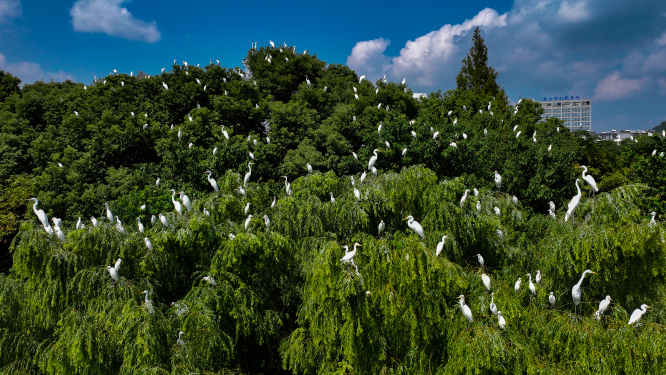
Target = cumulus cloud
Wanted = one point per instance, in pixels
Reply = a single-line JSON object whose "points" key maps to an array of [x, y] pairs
{"points": [[9, 9], [613, 86], [573, 12], [661, 41], [29, 72], [108, 17], [421, 58]]}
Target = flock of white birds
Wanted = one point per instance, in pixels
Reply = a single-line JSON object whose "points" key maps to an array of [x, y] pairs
{"points": [[184, 206]]}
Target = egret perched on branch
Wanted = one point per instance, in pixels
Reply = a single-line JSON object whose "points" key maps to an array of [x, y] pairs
{"points": [[493, 307], [113, 271], [480, 259], [247, 222], [148, 304], [361, 78], [60, 234], [464, 198], [381, 227], [363, 176], [210, 279], [404, 151], [638, 313], [589, 179], [603, 305], [164, 221], [247, 209], [212, 182], [497, 211], [415, 226], [576, 291], [309, 168], [274, 201], [224, 132], [357, 194], [94, 221], [349, 256], [498, 180], [500, 320], [40, 213], [119, 226], [486, 281], [653, 222], [517, 286], [538, 277], [440, 246], [267, 221], [287, 185], [242, 191], [514, 200], [478, 205], [332, 198], [157, 182], [186, 201], [139, 224], [574, 202], [373, 159], [467, 312], [176, 204], [149, 244], [531, 285], [246, 179], [551, 299]]}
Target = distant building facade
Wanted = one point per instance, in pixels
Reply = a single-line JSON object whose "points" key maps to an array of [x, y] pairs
{"points": [[575, 112], [619, 136]]}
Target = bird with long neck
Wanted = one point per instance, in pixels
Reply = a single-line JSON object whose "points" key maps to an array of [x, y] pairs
{"points": [[247, 175], [576, 292], [590, 180], [574, 202], [41, 215], [176, 204]]}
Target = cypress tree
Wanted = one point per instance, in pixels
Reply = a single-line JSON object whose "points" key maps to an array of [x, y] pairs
{"points": [[476, 75]]}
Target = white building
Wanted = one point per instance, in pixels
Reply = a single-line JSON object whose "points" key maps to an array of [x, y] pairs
{"points": [[619, 136], [575, 112]]}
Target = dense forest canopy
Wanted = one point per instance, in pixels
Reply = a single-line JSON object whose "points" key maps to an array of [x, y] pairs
{"points": [[238, 269]]}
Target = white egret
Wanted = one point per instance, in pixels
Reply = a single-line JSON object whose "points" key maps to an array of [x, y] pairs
{"points": [[181, 308], [60, 234], [119, 226], [493, 307], [515, 127], [373, 159], [247, 222], [480, 259], [415, 226], [153, 219], [576, 291], [210, 279], [361, 78], [287, 185], [516, 287], [79, 224], [538, 277], [486, 281], [518, 134], [148, 304], [274, 201], [357, 194], [381, 227], [267, 221], [478, 205], [434, 135], [374, 171], [109, 215], [246, 179], [157, 182], [574, 202], [485, 132], [354, 155], [379, 129], [453, 144], [180, 342], [497, 211], [653, 222], [414, 134], [186, 201], [500, 320], [356, 96], [212, 182], [638, 313], [268, 140], [514, 200], [224, 132], [498, 180], [113, 271], [589, 179], [467, 312], [552, 206], [309, 167], [455, 122], [551, 299], [464, 198], [404, 80], [251, 155], [388, 145], [94, 221], [41, 215], [149, 244], [205, 212], [464, 136], [550, 147], [164, 221], [332, 198], [534, 138], [231, 236], [349, 256], [603, 305], [404, 151], [363, 176], [247, 209], [165, 86], [176, 204], [214, 151], [531, 285], [139, 224], [450, 112]]}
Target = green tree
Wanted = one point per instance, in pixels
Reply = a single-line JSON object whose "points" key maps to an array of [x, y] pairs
{"points": [[8, 85], [476, 75]]}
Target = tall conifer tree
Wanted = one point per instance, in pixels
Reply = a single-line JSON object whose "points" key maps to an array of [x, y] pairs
{"points": [[476, 75]]}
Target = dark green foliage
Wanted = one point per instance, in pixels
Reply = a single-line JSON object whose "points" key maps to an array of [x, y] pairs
{"points": [[283, 301]]}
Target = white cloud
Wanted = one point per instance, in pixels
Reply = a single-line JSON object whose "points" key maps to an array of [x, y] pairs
{"points": [[613, 86], [661, 41], [10, 9], [106, 16], [421, 59], [29, 72], [573, 12]]}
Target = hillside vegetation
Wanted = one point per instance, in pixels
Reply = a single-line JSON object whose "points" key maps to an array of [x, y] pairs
{"points": [[269, 293]]}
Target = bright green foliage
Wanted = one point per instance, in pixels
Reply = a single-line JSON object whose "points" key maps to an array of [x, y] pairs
{"points": [[283, 302]]}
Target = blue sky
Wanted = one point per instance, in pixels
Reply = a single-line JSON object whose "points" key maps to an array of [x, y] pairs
{"points": [[611, 51]]}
